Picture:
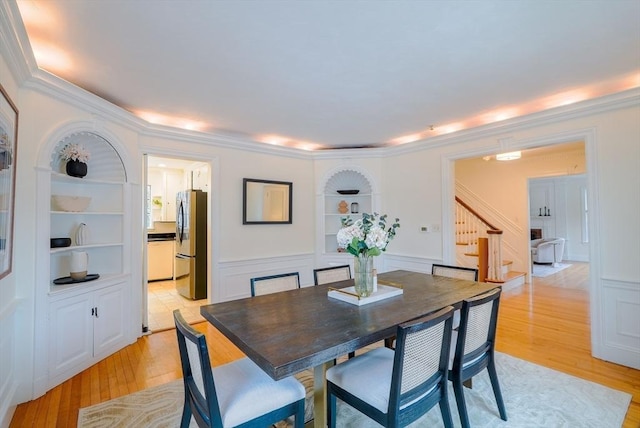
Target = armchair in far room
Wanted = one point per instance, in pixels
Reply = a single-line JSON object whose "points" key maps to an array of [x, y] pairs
{"points": [[547, 250]]}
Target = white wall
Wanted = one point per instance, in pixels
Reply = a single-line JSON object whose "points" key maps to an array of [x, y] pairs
{"points": [[12, 372]]}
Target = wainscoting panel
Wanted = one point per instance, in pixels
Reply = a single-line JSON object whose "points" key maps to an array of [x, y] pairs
{"points": [[414, 264], [235, 276], [621, 342]]}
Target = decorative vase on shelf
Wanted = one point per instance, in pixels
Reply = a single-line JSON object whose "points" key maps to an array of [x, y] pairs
{"points": [[363, 275], [82, 234], [76, 168]]}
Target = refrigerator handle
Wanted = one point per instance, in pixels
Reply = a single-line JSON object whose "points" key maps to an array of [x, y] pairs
{"points": [[180, 222]]}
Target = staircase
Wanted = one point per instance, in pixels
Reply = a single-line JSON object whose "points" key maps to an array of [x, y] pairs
{"points": [[479, 245]]}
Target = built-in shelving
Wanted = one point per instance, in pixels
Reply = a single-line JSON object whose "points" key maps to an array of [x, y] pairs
{"points": [[347, 179]]}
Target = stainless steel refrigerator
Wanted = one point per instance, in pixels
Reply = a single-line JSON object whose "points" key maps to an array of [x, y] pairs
{"points": [[191, 244]]}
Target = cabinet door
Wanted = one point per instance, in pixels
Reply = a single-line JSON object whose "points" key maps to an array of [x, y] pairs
{"points": [[174, 184], [108, 320], [71, 340], [160, 260]]}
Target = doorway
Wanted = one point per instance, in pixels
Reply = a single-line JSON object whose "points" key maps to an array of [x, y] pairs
{"points": [[165, 178]]}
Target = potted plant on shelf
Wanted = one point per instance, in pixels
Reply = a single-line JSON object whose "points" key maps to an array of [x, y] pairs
{"points": [[76, 156]]}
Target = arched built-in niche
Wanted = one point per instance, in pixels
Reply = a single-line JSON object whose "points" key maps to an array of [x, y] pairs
{"points": [[341, 180]]}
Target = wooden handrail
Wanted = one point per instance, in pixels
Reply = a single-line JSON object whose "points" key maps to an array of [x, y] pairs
{"points": [[475, 213]]}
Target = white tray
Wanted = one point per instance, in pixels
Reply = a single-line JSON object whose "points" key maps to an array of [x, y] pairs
{"points": [[348, 294]]}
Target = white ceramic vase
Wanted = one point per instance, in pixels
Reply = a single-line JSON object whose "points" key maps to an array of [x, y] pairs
{"points": [[78, 265], [82, 234]]}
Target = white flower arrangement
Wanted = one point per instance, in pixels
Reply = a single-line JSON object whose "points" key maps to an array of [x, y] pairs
{"points": [[76, 152], [367, 236]]}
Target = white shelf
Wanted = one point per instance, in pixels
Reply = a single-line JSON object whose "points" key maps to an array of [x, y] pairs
{"points": [[104, 280], [87, 212], [64, 178], [80, 247]]}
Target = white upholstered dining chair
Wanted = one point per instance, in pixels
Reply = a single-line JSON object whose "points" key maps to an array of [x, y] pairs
{"points": [[235, 394], [396, 387]]}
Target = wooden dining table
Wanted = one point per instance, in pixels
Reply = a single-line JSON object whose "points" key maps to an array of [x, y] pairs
{"points": [[285, 333]]}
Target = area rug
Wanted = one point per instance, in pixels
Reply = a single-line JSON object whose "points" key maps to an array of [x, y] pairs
{"points": [[534, 396], [542, 271]]}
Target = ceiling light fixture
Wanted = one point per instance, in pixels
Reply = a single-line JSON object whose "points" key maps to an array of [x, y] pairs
{"points": [[508, 156]]}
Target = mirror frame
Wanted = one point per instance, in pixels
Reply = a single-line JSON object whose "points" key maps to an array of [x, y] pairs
{"points": [[246, 182], [8, 147]]}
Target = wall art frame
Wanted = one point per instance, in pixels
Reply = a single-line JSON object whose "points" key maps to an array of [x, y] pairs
{"points": [[8, 144]]}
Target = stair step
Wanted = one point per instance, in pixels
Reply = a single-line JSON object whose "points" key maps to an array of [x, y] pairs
{"points": [[513, 279]]}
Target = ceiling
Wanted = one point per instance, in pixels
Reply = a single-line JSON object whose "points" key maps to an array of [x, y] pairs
{"points": [[337, 74]]}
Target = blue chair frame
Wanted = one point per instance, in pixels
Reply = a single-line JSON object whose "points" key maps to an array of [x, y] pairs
{"points": [[468, 363], [346, 270], [255, 282], [204, 406], [403, 408]]}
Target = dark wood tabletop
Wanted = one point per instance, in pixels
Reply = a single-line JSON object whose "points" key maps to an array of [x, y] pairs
{"points": [[285, 333]]}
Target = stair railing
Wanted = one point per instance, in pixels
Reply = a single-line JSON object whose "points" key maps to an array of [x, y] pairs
{"points": [[470, 228]]}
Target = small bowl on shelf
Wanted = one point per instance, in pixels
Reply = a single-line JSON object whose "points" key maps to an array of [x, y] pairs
{"points": [[70, 203], [60, 242]]}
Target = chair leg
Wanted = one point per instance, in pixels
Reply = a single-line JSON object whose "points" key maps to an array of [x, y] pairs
{"points": [[493, 376], [462, 407], [299, 416], [444, 407], [331, 410], [186, 414]]}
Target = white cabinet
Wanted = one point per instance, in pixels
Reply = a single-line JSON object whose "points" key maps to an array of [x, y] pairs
{"points": [[84, 328], [165, 183], [160, 260]]}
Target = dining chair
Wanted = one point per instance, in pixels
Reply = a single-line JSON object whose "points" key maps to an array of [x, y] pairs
{"points": [[331, 274], [455, 272], [274, 283], [234, 394], [472, 349], [397, 387], [459, 272]]}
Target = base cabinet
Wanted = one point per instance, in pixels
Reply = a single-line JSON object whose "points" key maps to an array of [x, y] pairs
{"points": [[84, 328]]}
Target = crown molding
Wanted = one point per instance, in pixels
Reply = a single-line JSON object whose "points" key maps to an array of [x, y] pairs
{"points": [[628, 98], [14, 43]]}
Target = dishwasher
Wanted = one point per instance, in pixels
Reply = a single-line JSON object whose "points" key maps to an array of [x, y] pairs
{"points": [[160, 252]]}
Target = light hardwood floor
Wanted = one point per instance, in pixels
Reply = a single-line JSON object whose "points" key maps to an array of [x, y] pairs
{"points": [[546, 322]]}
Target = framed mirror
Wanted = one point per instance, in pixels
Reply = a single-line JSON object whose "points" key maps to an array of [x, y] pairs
{"points": [[8, 141], [266, 201]]}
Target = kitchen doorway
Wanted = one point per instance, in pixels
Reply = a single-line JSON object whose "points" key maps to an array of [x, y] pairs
{"points": [[166, 178]]}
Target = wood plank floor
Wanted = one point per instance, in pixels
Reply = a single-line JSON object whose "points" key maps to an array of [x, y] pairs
{"points": [[546, 322]]}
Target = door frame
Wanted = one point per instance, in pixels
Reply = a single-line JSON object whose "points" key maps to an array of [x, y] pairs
{"points": [[589, 137]]}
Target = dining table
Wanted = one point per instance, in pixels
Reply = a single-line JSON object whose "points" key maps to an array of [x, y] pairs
{"points": [[287, 332]]}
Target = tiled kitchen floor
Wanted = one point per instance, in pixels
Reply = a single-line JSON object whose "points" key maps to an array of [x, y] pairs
{"points": [[163, 299]]}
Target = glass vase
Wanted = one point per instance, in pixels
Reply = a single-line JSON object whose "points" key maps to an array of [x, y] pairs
{"points": [[363, 275]]}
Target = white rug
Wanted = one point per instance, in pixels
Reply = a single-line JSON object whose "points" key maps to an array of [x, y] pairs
{"points": [[542, 271], [534, 396]]}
